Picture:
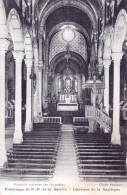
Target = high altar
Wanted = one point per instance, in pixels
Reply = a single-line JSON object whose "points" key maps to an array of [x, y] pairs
{"points": [[68, 89]]}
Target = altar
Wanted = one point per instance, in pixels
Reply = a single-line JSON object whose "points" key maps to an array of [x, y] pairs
{"points": [[68, 88], [67, 102]]}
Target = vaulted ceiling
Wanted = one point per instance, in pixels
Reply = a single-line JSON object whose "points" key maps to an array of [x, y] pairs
{"points": [[83, 14]]}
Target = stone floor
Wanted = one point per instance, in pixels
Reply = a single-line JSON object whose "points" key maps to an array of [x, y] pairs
{"points": [[66, 164]]}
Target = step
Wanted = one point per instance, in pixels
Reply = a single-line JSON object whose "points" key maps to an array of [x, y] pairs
{"points": [[92, 141], [35, 146], [83, 146], [34, 177], [27, 164], [106, 161], [99, 150], [87, 152], [44, 150], [28, 169], [39, 142], [31, 156], [94, 144], [102, 171], [109, 157], [42, 135], [104, 177], [41, 138], [31, 152], [43, 161], [101, 166]]}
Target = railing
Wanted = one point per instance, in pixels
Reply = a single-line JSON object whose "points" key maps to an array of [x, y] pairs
{"points": [[99, 116], [50, 120], [80, 119]]}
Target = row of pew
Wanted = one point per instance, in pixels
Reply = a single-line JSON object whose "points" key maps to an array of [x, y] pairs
{"points": [[35, 158], [97, 159]]}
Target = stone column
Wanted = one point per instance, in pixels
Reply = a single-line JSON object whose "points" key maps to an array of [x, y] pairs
{"points": [[38, 94], [40, 90], [94, 96], [35, 98], [40, 49], [3, 157], [18, 135], [45, 86], [106, 91], [115, 137], [28, 124]]}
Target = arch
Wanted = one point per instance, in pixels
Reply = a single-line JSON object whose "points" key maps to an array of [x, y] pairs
{"points": [[61, 56], [28, 46], [56, 28], [15, 29], [108, 43], [72, 3], [75, 57], [3, 24], [120, 31]]}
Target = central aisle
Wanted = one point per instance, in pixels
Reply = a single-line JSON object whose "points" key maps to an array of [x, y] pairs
{"points": [[66, 166]]}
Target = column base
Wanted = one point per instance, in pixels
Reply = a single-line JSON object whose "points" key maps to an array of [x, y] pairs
{"points": [[3, 157], [28, 127], [115, 139], [18, 138]]}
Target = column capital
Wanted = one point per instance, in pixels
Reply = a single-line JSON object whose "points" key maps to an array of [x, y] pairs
{"points": [[117, 56], [29, 62], [18, 56], [107, 63]]}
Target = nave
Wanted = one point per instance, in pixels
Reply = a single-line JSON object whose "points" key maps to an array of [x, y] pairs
{"points": [[63, 64]]}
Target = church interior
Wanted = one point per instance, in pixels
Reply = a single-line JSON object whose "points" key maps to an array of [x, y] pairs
{"points": [[63, 90]]}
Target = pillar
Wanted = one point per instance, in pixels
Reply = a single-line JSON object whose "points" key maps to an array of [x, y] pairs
{"points": [[40, 48], [115, 137], [94, 96], [3, 157], [35, 96], [28, 124], [40, 90], [45, 86], [106, 90], [18, 136], [38, 94]]}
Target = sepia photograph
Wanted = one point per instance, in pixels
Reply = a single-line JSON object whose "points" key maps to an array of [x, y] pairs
{"points": [[63, 97]]}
